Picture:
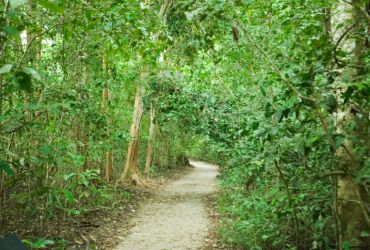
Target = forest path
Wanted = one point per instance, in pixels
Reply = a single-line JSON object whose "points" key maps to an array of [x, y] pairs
{"points": [[176, 218]]}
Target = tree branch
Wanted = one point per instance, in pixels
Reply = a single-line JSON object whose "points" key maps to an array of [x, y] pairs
{"points": [[25, 124], [333, 173], [342, 36]]}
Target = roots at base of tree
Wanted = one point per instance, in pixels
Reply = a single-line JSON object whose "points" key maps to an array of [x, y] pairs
{"points": [[135, 179]]}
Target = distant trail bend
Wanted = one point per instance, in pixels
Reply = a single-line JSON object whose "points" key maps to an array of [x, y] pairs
{"points": [[176, 217]]}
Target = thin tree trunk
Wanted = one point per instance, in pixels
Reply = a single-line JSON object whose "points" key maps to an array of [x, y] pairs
{"points": [[84, 127], [106, 97], [108, 165], [327, 21], [149, 152], [109, 154]]}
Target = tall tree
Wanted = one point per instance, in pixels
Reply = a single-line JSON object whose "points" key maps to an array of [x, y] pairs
{"points": [[151, 140], [353, 197], [131, 170]]}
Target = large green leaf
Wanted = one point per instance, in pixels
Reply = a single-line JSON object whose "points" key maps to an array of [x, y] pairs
{"points": [[40, 243], [68, 195], [6, 168], [16, 3], [45, 150], [6, 68], [11, 30], [32, 72], [52, 6]]}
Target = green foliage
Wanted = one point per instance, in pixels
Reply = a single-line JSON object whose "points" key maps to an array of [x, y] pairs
{"points": [[4, 166], [39, 244], [6, 68], [269, 118], [16, 3], [57, 58], [257, 86], [52, 6]]}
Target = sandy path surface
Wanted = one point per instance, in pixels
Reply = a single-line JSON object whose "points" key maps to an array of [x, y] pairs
{"points": [[176, 217]]}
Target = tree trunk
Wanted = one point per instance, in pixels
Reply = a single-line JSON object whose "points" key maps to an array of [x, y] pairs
{"points": [[149, 152], [106, 98], [131, 170], [84, 127], [109, 165], [353, 200]]}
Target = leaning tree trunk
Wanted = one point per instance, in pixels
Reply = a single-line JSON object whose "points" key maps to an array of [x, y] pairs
{"points": [[131, 170], [149, 152], [353, 198]]}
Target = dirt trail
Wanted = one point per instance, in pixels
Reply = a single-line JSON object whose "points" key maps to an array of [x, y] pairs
{"points": [[176, 218]]}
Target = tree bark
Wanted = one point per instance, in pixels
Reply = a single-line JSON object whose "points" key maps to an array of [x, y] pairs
{"points": [[84, 127], [149, 152], [131, 170], [353, 200], [106, 98]]}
